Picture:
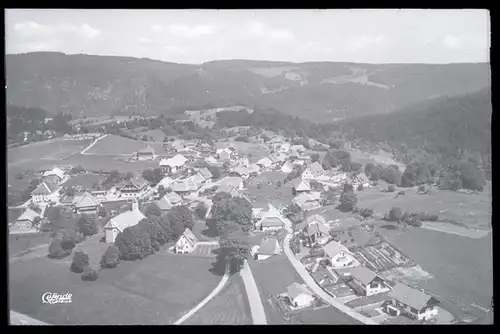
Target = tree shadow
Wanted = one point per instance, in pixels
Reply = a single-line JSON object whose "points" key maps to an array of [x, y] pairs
{"points": [[211, 230], [219, 266]]}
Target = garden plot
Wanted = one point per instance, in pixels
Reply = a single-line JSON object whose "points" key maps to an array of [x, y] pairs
{"points": [[381, 257], [411, 276]]}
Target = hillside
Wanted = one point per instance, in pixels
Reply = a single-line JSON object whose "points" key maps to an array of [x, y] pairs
{"points": [[447, 126], [317, 91]]}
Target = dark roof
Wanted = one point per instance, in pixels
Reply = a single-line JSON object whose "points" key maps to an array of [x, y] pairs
{"points": [[272, 221], [410, 296], [363, 274], [45, 187]]}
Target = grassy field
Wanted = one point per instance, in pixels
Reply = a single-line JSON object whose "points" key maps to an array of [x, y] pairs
{"points": [[108, 163], [41, 155], [157, 290], [22, 242], [84, 180], [273, 276], [158, 135], [462, 268], [324, 316], [116, 145], [473, 210], [229, 307]]}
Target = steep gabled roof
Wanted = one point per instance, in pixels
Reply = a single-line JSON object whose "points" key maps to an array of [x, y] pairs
{"points": [[164, 204], [87, 200], [44, 188], [189, 236], [147, 150], [363, 274], [126, 219], [316, 168], [205, 173], [269, 246], [333, 248], [28, 214], [173, 198]]}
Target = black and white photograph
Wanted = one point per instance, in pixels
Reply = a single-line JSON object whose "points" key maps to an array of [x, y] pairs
{"points": [[248, 167]]}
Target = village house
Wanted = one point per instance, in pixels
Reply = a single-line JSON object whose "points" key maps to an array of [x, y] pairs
{"points": [[45, 192], [147, 153], [287, 167], [411, 302], [264, 163], [186, 242], [224, 154], [313, 171], [25, 221], [232, 191], [285, 147], [298, 148], [166, 182], [300, 185], [55, 175], [268, 247], [270, 220], [132, 188], [368, 282], [276, 143], [185, 186], [173, 164], [308, 201], [86, 204], [299, 296], [317, 230], [360, 180], [339, 256], [235, 182], [100, 195], [205, 174], [241, 171], [211, 160], [243, 162], [119, 223]]}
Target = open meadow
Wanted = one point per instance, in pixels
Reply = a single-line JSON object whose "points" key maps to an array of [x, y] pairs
{"points": [[117, 145], [156, 291], [471, 210]]}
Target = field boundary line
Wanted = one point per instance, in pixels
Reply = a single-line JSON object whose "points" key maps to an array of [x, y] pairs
{"points": [[212, 294], [84, 151]]}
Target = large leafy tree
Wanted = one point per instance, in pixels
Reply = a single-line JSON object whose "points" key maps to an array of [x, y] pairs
{"points": [[226, 208], [86, 226], [348, 199]]}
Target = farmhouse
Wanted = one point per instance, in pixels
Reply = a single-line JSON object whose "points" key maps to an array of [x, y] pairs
{"points": [[272, 220], [300, 185], [25, 221], [147, 153], [119, 223], [100, 195], [185, 186], [87, 204], [224, 153], [173, 164], [133, 187], [268, 247], [211, 160], [174, 198], [313, 171], [299, 296], [412, 302], [368, 282], [45, 192], [276, 143], [186, 242], [339, 256]]}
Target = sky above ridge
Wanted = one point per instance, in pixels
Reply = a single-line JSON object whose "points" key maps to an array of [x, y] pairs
{"points": [[197, 36]]}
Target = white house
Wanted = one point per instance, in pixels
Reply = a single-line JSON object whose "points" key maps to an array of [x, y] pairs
{"points": [[119, 223], [287, 167], [307, 201], [369, 282], [211, 160], [313, 171], [412, 302], [173, 164], [55, 176], [317, 229], [132, 188], [265, 162], [299, 296], [186, 242], [285, 147], [45, 192], [339, 256], [268, 247], [272, 220]]}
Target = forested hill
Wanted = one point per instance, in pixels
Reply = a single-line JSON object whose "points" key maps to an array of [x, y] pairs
{"points": [[447, 126], [317, 91]]}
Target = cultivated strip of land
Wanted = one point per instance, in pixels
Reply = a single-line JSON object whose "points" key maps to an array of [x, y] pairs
{"points": [[256, 307], [215, 291]]}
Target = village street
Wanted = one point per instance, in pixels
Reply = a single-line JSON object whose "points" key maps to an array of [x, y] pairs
{"points": [[299, 267]]}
